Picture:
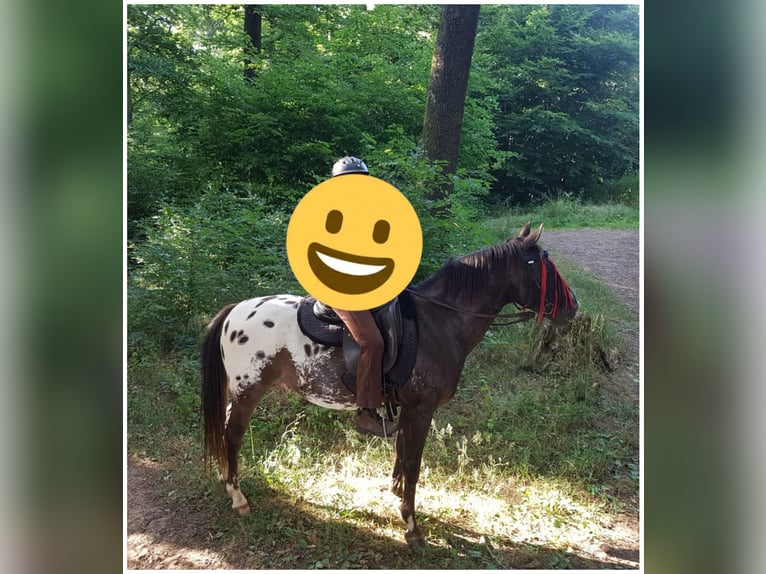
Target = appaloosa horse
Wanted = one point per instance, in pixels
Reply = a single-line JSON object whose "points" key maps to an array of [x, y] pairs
{"points": [[254, 345]]}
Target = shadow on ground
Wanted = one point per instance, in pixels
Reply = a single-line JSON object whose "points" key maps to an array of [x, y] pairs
{"points": [[190, 526]]}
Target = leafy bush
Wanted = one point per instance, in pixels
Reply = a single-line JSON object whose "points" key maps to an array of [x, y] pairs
{"points": [[401, 163], [623, 190], [196, 259], [565, 82], [552, 105], [224, 247]]}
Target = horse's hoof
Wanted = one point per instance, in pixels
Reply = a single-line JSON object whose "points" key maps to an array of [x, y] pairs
{"points": [[415, 539], [243, 509]]}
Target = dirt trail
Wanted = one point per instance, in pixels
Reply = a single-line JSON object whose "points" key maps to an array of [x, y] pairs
{"points": [[162, 536], [611, 255]]}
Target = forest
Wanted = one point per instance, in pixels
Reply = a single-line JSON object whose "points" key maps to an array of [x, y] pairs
{"points": [[235, 112]]}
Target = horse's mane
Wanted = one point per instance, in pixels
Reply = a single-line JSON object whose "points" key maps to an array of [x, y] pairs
{"points": [[469, 275]]}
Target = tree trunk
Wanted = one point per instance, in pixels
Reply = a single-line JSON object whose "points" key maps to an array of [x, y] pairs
{"points": [[129, 98], [447, 89], [253, 31]]}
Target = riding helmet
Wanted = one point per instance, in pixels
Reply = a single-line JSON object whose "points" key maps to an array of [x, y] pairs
{"points": [[349, 164]]}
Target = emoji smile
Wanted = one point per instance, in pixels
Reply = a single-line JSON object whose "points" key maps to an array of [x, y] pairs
{"points": [[349, 267], [348, 273]]}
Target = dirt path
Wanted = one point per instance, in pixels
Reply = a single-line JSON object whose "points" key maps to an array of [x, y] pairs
{"points": [[610, 255], [163, 536], [160, 535]]}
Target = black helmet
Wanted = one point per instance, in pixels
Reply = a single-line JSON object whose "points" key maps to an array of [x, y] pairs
{"points": [[349, 164]]}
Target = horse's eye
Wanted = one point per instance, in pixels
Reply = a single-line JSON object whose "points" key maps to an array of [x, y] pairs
{"points": [[334, 221], [381, 231]]}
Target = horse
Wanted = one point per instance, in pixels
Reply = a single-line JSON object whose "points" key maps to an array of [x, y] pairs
{"points": [[255, 345]]}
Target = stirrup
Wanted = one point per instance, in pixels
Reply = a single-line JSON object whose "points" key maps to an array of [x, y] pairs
{"points": [[383, 428]]}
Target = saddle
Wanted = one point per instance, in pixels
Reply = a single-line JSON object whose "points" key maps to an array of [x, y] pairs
{"points": [[396, 321]]}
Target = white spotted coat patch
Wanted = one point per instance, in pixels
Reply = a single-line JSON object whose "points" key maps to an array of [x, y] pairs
{"points": [[256, 330]]}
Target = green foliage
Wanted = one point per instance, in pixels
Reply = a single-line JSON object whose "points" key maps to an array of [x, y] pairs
{"points": [[552, 106], [196, 259], [565, 79], [168, 403], [400, 162], [326, 78], [624, 190]]}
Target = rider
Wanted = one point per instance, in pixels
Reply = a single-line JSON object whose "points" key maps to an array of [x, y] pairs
{"points": [[362, 326]]}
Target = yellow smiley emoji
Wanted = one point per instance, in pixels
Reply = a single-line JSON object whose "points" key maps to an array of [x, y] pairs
{"points": [[354, 242]]}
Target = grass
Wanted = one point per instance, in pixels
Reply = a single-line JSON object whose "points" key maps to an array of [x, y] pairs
{"points": [[569, 213], [533, 464]]}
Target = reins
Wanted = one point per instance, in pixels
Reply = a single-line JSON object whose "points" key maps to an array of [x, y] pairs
{"points": [[517, 317]]}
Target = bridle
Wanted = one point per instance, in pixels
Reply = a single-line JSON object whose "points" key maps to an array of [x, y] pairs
{"points": [[548, 272], [550, 278]]}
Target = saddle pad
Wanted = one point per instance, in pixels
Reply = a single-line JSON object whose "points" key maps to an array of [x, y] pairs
{"points": [[314, 328]]}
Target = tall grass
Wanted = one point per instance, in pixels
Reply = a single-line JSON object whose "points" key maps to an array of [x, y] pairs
{"points": [[570, 213]]}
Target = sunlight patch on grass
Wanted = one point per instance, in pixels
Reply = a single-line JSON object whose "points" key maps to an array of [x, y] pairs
{"points": [[540, 512], [480, 499]]}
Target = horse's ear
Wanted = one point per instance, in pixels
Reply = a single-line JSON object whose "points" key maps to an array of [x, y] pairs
{"points": [[532, 239], [525, 230]]}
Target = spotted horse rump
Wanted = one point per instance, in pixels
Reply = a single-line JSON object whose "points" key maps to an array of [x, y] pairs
{"points": [[261, 338]]}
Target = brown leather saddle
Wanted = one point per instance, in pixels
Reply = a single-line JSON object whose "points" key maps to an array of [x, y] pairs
{"points": [[398, 327]]}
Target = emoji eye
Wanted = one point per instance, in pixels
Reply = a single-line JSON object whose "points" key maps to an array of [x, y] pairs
{"points": [[381, 231], [334, 221]]}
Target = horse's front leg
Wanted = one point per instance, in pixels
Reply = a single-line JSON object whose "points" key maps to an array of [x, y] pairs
{"points": [[410, 440], [397, 477]]}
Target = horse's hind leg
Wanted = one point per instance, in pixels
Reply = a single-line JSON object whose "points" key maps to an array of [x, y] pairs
{"points": [[241, 409]]}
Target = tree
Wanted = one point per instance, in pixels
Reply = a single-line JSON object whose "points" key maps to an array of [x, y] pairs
{"points": [[565, 79], [253, 32], [551, 106], [447, 88], [337, 78]]}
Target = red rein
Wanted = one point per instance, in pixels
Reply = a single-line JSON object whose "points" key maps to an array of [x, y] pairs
{"points": [[558, 285], [543, 289]]}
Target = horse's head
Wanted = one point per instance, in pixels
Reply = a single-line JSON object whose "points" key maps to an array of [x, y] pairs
{"points": [[542, 287]]}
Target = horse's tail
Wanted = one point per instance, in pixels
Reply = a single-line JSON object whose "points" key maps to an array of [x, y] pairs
{"points": [[214, 391]]}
